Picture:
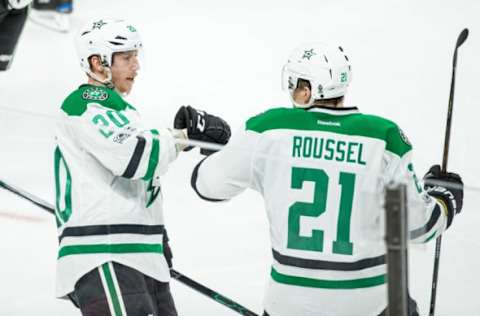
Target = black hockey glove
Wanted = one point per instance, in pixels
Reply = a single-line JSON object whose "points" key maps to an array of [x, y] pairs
{"points": [[447, 187], [202, 126]]}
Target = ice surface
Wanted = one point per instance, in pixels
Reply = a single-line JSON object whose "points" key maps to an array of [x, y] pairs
{"points": [[226, 57]]}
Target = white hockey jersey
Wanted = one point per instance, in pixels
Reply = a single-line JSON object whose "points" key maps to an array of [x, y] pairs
{"points": [[322, 173], [108, 195]]}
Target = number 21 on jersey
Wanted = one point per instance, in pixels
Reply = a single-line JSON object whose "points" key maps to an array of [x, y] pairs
{"points": [[342, 244]]}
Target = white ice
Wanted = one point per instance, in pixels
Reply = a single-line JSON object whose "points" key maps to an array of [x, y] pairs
{"points": [[225, 57]]}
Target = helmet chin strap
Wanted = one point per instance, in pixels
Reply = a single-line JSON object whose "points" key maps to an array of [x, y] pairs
{"points": [[106, 82]]}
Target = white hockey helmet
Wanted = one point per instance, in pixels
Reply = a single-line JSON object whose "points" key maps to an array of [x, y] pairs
{"points": [[325, 67], [104, 38]]}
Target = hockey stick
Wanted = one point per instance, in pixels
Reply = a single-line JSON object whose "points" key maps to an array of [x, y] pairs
{"points": [[460, 40], [173, 273], [211, 294]]}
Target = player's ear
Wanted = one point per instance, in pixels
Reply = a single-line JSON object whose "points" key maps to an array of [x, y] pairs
{"points": [[308, 93], [95, 64]]}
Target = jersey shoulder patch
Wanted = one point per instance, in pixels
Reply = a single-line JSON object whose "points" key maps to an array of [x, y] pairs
{"points": [[95, 94], [77, 102]]}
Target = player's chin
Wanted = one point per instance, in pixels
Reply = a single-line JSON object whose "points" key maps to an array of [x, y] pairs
{"points": [[126, 86]]}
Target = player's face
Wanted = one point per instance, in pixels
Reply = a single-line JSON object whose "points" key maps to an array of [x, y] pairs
{"points": [[124, 70]]}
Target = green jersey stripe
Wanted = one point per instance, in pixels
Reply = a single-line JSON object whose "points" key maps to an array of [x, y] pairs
{"points": [[354, 124], [328, 284], [154, 155], [109, 248], [111, 290], [62, 215]]}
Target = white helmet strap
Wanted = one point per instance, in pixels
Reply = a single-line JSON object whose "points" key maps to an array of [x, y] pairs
{"points": [[107, 81]]}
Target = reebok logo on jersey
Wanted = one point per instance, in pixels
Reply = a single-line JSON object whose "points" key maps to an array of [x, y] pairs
{"points": [[329, 123]]}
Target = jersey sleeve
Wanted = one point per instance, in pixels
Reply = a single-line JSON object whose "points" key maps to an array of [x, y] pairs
{"points": [[121, 144], [427, 217], [227, 172]]}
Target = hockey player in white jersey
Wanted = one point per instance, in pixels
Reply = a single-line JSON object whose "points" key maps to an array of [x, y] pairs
{"points": [[322, 168], [113, 254]]}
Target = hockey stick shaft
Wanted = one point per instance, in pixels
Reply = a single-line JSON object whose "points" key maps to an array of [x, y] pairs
{"points": [[446, 146], [211, 294], [173, 273]]}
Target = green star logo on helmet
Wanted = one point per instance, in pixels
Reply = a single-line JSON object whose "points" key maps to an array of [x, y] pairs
{"points": [[307, 54], [98, 24]]}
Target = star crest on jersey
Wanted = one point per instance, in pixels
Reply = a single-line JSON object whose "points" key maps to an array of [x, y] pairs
{"points": [[95, 94], [98, 24], [307, 54]]}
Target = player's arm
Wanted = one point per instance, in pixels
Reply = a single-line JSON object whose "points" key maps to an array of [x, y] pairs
{"points": [[431, 205], [121, 144], [226, 173]]}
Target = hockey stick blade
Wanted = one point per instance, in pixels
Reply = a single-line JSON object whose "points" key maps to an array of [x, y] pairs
{"points": [[225, 301], [462, 37]]}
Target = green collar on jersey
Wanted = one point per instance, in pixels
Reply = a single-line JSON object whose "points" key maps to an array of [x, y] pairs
{"points": [[77, 102], [346, 121]]}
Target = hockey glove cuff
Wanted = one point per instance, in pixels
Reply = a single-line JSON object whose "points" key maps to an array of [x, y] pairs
{"points": [[446, 187]]}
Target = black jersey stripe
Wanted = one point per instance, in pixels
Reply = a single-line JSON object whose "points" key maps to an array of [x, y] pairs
{"points": [[431, 222], [96, 230], [136, 157], [328, 265], [342, 109], [193, 182]]}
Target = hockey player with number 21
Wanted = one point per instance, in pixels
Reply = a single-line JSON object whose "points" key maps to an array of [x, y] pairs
{"points": [[113, 255], [322, 168]]}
